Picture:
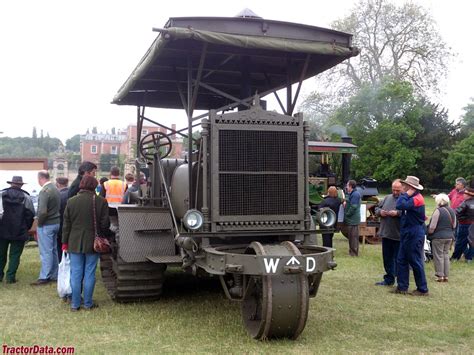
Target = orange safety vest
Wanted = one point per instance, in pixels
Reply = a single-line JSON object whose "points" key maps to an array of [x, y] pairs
{"points": [[114, 190]]}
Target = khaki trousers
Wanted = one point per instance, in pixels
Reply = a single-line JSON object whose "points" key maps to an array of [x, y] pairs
{"points": [[440, 250]]}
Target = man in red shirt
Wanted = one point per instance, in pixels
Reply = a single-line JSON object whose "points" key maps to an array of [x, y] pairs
{"points": [[456, 194]]}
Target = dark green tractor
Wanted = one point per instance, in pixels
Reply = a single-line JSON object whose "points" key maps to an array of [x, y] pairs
{"points": [[237, 207]]}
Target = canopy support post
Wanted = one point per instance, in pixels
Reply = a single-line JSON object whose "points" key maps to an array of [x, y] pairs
{"points": [[190, 133], [303, 73]]}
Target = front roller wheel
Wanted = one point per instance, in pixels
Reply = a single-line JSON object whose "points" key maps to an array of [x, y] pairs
{"points": [[275, 306]]}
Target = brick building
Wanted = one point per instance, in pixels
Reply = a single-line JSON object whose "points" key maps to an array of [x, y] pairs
{"points": [[123, 143]]}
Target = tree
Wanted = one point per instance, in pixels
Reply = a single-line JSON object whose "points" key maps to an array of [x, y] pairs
{"points": [[467, 120], [400, 43], [74, 143], [387, 152], [34, 135], [373, 104], [382, 120], [460, 160], [436, 137]]}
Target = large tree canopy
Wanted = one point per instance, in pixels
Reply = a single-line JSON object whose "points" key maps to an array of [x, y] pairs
{"points": [[467, 120], [74, 143], [460, 160], [397, 133], [401, 42]]}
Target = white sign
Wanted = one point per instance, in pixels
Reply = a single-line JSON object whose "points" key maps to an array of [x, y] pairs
{"points": [[293, 261], [272, 264]]}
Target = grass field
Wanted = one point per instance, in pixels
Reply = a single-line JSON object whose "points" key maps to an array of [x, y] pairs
{"points": [[349, 314]]}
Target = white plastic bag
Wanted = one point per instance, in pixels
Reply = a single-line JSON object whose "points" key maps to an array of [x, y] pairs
{"points": [[64, 276], [1, 206]]}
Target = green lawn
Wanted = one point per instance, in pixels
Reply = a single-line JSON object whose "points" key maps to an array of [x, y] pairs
{"points": [[349, 314]]}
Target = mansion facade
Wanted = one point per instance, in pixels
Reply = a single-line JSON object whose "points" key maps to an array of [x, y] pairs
{"points": [[94, 146]]}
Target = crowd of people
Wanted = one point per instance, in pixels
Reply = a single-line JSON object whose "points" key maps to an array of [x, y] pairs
{"points": [[68, 219], [404, 227]]}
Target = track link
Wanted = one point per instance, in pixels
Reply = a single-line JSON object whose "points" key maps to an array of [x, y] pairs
{"points": [[131, 282]]}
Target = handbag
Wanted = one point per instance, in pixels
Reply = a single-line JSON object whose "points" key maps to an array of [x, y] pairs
{"points": [[101, 244]]}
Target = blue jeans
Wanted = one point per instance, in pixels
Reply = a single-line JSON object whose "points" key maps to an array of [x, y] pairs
{"points": [[83, 267], [462, 244], [411, 254], [390, 249], [48, 251]]}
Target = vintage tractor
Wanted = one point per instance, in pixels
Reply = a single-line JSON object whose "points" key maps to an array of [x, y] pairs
{"points": [[326, 156], [237, 207]]}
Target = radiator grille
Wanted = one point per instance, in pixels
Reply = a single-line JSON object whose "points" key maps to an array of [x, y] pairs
{"points": [[258, 173], [243, 195], [257, 151]]}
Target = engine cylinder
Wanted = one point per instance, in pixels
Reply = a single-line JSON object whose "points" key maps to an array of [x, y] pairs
{"points": [[180, 189]]}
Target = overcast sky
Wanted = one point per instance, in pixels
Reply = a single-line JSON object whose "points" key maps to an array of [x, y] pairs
{"points": [[62, 61]]}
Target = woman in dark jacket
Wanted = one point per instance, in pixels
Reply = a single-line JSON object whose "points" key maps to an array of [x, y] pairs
{"points": [[333, 202], [441, 233], [78, 239]]}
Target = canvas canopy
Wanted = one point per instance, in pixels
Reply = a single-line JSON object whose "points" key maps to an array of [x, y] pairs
{"points": [[229, 58]]}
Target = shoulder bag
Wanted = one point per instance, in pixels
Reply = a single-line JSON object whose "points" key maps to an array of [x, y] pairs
{"points": [[101, 244]]}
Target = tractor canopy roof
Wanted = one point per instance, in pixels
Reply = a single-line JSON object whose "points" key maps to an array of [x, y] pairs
{"points": [[315, 147], [222, 55]]}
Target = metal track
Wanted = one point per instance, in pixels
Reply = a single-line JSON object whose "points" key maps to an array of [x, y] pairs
{"points": [[131, 282]]}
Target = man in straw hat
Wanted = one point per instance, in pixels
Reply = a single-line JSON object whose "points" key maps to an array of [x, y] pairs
{"points": [[412, 237], [14, 225], [465, 214]]}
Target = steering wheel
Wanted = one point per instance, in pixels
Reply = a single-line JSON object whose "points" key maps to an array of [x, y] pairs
{"points": [[155, 143]]}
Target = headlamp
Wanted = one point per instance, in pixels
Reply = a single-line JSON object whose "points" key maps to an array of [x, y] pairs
{"points": [[193, 220]]}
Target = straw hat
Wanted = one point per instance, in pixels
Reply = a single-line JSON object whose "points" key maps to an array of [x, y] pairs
{"points": [[413, 181]]}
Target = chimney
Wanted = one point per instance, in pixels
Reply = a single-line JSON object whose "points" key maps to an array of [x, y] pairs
{"points": [[173, 127]]}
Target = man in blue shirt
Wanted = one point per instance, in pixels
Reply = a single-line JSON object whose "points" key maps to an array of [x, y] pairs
{"points": [[412, 237]]}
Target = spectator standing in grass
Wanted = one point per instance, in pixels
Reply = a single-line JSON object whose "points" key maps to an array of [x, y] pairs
{"points": [[18, 215], [465, 214], [441, 233], [333, 202], [350, 228], [390, 232], [49, 204], [412, 237], [114, 187], [61, 184], [78, 240], [456, 196], [87, 168]]}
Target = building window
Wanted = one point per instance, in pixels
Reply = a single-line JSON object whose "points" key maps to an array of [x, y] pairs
{"points": [[93, 149], [113, 150], [144, 132]]}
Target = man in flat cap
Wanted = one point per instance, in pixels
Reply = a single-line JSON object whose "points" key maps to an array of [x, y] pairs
{"points": [[18, 215], [412, 237]]}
